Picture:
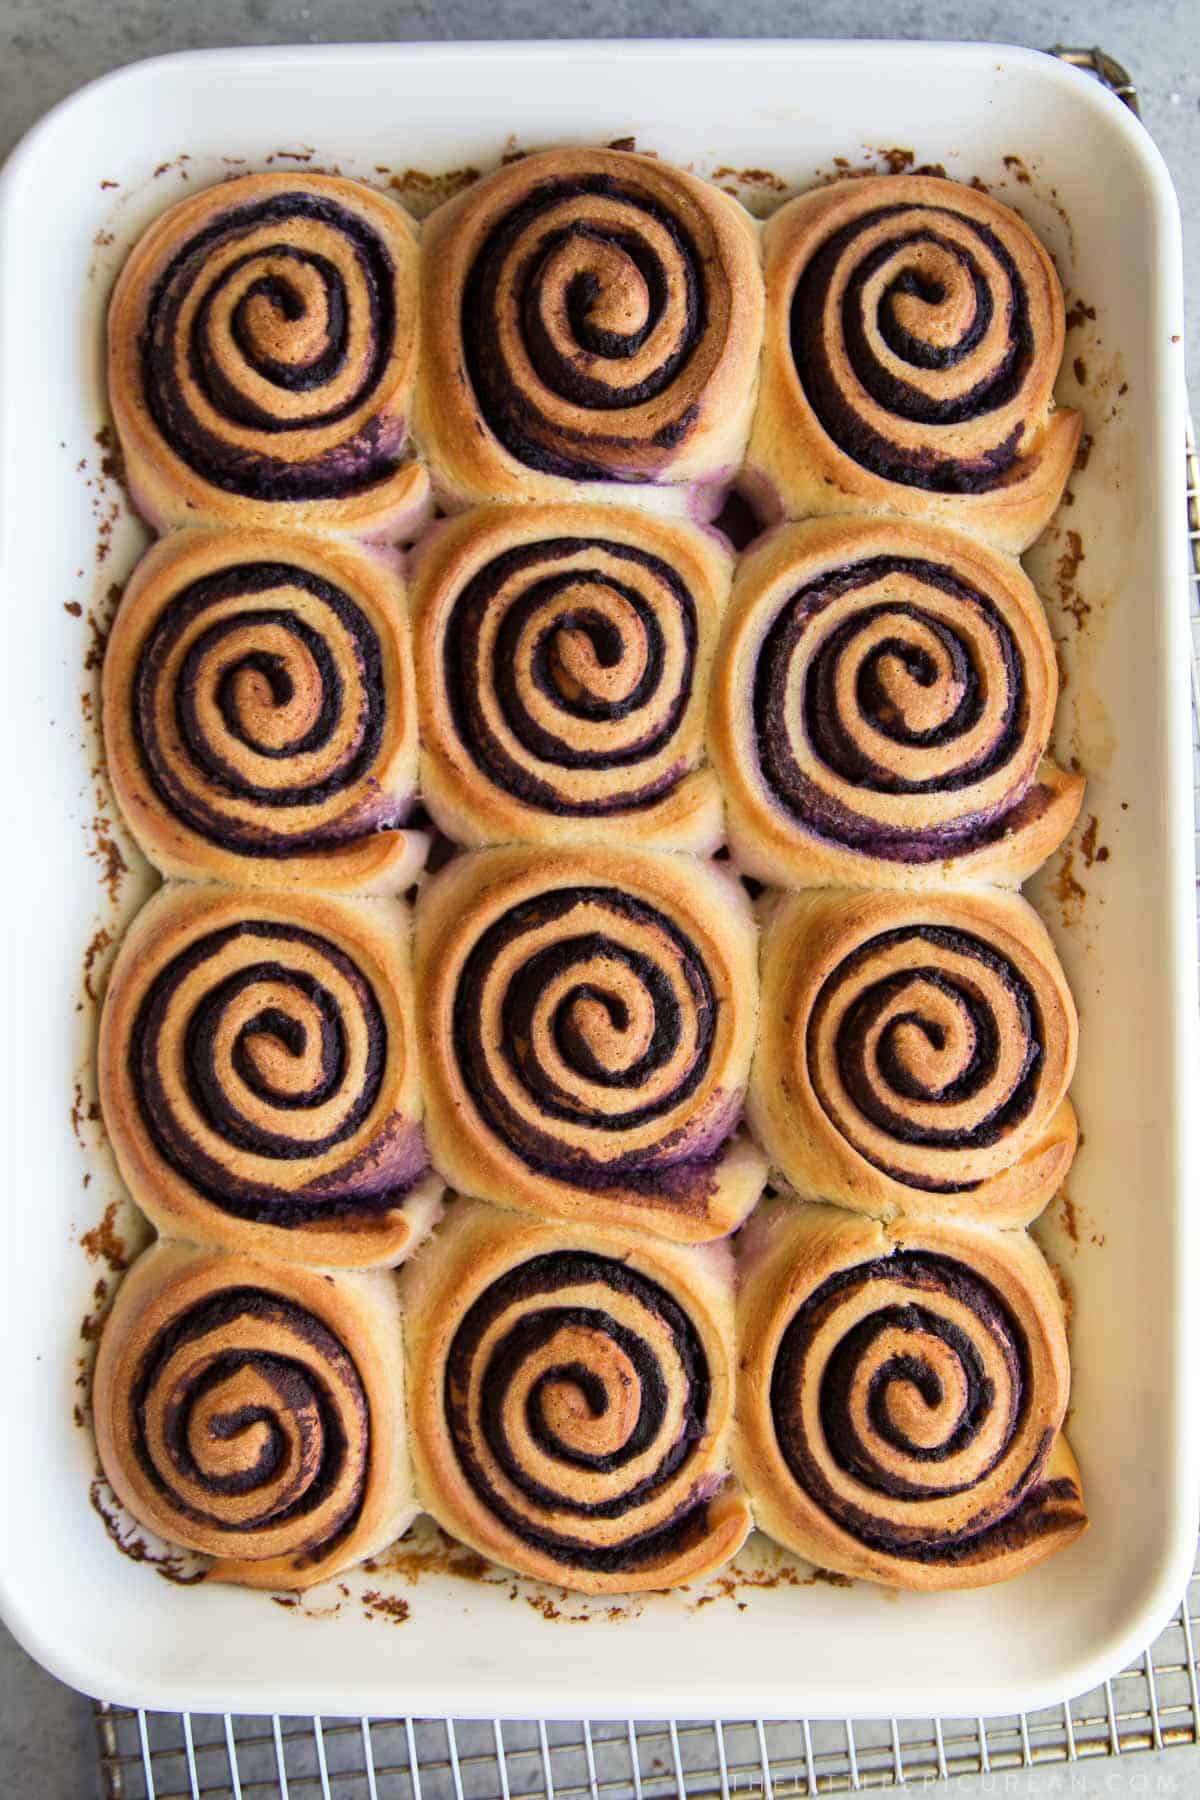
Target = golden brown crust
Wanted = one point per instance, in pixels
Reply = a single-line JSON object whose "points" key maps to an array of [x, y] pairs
{"points": [[260, 724], [629, 356], [914, 1054], [262, 357], [549, 1343], [882, 699], [586, 1022], [914, 331], [258, 1075], [254, 1413], [563, 656], [901, 1397]]}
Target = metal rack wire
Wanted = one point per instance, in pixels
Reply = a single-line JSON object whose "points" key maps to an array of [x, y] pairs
{"points": [[1154, 1704]]}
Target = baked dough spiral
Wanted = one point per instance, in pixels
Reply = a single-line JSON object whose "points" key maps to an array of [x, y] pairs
{"points": [[260, 723], [914, 332], [586, 1023], [262, 358], [591, 318], [255, 1413], [901, 1397], [915, 1053], [258, 1075], [571, 1392], [563, 657], [882, 700]]}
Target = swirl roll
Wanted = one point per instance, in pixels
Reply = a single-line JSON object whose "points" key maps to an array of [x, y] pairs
{"points": [[563, 657], [882, 700], [586, 1020], [914, 332], [571, 1394], [901, 1397], [591, 318], [262, 356], [915, 1054], [255, 1413], [258, 1075], [259, 718]]}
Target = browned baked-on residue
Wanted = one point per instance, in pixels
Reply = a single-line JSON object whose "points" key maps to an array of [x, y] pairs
{"points": [[771, 1567], [176, 1566], [92, 1323], [622, 143], [388, 1607], [106, 851], [422, 191], [512, 151], [104, 1243], [1067, 890], [1080, 370], [73, 607], [759, 178], [112, 458], [1016, 167], [1089, 849], [110, 184], [83, 1112], [1084, 452], [1079, 313], [174, 162], [101, 941], [427, 1550], [1069, 1214], [1069, 597]]}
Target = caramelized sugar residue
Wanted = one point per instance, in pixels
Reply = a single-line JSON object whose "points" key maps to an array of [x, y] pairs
{"points": [[104, 1243], [176, 1566]]}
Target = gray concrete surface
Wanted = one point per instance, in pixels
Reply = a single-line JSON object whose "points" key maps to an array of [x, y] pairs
{"points": [[48, 48]]}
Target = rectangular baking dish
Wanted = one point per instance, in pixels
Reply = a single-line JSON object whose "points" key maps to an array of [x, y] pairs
{"points": [[766, 118]]}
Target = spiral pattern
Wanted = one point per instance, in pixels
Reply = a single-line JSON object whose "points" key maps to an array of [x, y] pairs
{"points": [[915, 1048], [562, 672], [589, 1033], [246, 1412], [263, 350], [608, 316], [920, 1383], [914, 333], [925, 1047], [261, 708], [901, 712], [249, 1418], [577, 1391], [906, 1398], [260, 1070], [909, 319], [578, 655]]}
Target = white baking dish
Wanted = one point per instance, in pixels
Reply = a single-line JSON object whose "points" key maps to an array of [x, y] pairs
{"points": [[1100, 194]]}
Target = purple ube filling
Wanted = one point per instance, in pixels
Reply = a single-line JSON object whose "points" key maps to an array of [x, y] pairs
{"points": [[512, 414], [834, 406], [374, 1179], [533, 1285], [684, 1164], [929, 1278], [859, 1020], [467, 678], [359, 461], [820, 812], [206, 768], [302, 1397]]}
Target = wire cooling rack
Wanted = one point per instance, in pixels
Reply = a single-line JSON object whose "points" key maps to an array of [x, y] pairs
{"points": [[1154, 1704]]}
